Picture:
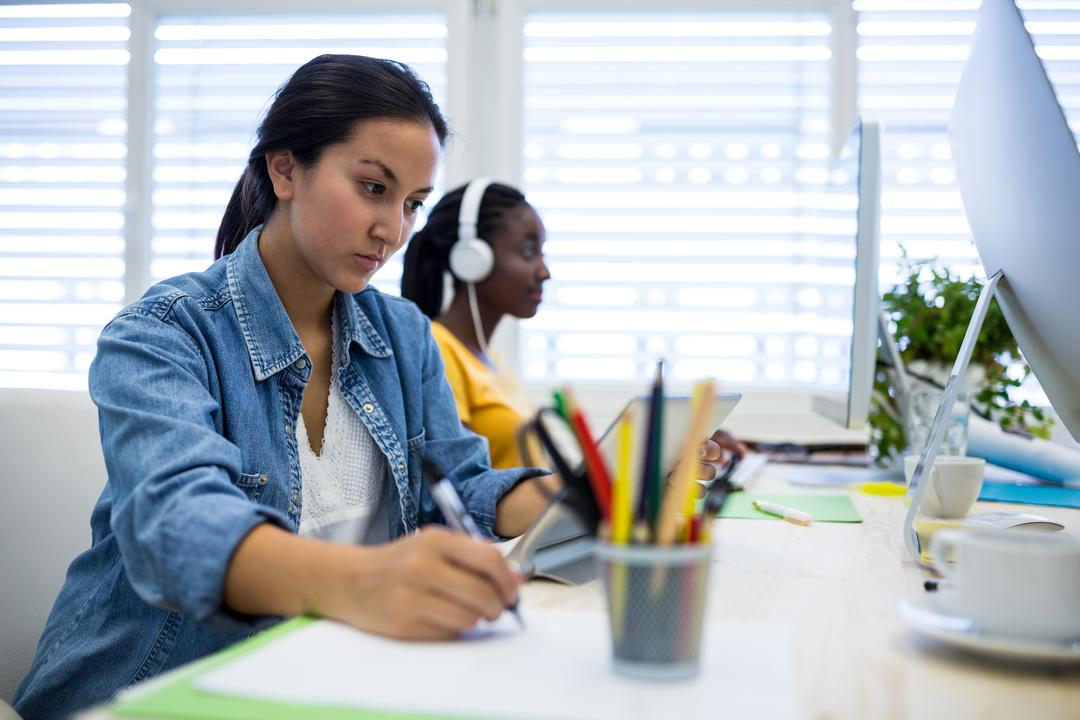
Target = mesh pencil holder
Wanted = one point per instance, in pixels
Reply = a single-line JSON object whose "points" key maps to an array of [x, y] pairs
{"points": [[656, 603]]}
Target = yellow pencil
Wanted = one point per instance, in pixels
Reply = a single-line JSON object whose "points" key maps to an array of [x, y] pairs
{"points": [[688, 506], [684, 531], [621, 519]]}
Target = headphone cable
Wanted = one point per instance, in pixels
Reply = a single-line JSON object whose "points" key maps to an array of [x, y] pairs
{"points": [[474, 310]]}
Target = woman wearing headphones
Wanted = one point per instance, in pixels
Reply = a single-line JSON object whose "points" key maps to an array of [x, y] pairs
{"points": [[490, 240]]}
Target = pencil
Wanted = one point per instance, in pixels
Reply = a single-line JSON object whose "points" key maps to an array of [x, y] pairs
{"points": [[688, 505], [560, 405], [576, 493], [621, 521], [595, 467], [675, 497], [621, 512], [651, 474]]}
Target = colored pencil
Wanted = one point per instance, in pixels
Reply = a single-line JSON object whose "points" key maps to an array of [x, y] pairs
{"points": [[621, 511], [651, 473], [595, 467], [675, 497]]}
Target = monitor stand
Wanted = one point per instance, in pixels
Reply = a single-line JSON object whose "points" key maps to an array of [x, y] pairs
{"points": [[889, 355], [917, 488]]}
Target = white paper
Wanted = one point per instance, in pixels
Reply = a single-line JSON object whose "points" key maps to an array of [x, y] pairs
{"points": [[559, 667]]}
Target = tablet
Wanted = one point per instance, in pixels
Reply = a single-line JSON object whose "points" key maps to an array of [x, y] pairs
{"points": [[677, 418]]}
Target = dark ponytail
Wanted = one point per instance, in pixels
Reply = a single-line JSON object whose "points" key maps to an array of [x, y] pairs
{"points": [[427, 257], [318, 106]]}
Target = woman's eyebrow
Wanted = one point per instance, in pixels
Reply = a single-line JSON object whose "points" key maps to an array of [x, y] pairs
{"points": [[390, 176], [382, 166]]}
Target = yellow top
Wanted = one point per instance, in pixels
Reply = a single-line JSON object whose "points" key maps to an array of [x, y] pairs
{"points": [[490, 402]]}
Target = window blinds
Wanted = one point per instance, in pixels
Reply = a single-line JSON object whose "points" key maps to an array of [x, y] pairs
{"points": [[215, 75], [671, 154], [675, 158], [63, 82], [910, 58]]}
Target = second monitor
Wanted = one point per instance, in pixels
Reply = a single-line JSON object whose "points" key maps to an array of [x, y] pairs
{"points": [[853, 206]]}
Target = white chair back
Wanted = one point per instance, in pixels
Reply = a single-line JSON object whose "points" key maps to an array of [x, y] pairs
{"points": [[51, 474]]}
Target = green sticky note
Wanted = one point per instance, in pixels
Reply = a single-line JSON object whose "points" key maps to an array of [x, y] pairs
{"points": [[822, 508], [181, 700]]}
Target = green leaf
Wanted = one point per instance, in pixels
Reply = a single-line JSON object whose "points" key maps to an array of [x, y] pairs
{"points": [[930, 309]]}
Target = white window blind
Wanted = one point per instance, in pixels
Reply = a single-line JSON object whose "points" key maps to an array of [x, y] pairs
{"points": [[63, 81], [675, 158], [910, 58], [215, 75], [672, 155]]}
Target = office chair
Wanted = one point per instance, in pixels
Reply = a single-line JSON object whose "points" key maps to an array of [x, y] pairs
{"points": [[52, 472]]}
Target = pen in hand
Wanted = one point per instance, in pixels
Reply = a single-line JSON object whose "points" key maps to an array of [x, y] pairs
{"points": [[454, 511]]}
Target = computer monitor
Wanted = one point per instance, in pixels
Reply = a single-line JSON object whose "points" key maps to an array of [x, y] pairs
{"points": [[855, 191], [1019, 174]]}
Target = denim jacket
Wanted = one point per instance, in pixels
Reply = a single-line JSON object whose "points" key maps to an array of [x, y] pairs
{"points": [[198, 387]]}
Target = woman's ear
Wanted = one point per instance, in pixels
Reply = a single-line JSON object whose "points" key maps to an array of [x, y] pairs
{"points": [[281, 166]]}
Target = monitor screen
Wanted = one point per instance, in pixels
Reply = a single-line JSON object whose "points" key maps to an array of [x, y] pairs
{"points": [[1019, 173], [849, 221]]}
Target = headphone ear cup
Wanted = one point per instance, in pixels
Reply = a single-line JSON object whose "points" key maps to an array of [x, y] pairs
{"points": [[471, 260]]}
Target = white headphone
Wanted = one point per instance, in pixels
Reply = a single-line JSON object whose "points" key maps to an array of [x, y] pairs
{"points": [[471, 259]]}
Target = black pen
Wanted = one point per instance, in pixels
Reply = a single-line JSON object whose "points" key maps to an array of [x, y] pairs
{"points": [[721, 487], [454, 511]]}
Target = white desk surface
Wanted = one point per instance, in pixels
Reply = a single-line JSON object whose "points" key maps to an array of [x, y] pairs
{"points": [[836, 586]]}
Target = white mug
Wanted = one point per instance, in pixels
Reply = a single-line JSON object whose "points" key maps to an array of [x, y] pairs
{"points": [[1016, 583], [953, 486]]}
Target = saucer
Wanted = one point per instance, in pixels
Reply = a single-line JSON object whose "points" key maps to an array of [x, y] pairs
{"points": [[931, 616]]}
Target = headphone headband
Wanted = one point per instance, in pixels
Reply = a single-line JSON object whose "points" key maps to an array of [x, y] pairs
{"points": [[469, 215]]}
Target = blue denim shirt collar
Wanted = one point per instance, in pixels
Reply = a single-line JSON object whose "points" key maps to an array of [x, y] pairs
{"points": [[357, 329], [271, 341]]}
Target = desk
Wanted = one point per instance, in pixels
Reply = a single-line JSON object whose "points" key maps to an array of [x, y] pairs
{"points": [[836, 586]]}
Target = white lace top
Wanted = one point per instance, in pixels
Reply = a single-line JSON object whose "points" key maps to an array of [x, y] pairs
{"points": [[342, 487]]}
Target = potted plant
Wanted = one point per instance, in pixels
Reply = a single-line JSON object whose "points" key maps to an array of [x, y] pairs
{"points": [[928, 312]]}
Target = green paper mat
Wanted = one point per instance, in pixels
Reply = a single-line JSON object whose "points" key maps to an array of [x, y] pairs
{"points": [[181, 700], [822, 508]]}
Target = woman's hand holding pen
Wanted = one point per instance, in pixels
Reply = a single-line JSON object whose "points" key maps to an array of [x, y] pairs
{"points": [[433, 585]]}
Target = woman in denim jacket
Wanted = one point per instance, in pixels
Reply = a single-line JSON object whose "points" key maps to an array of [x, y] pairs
{"points": [[255, 413]]}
